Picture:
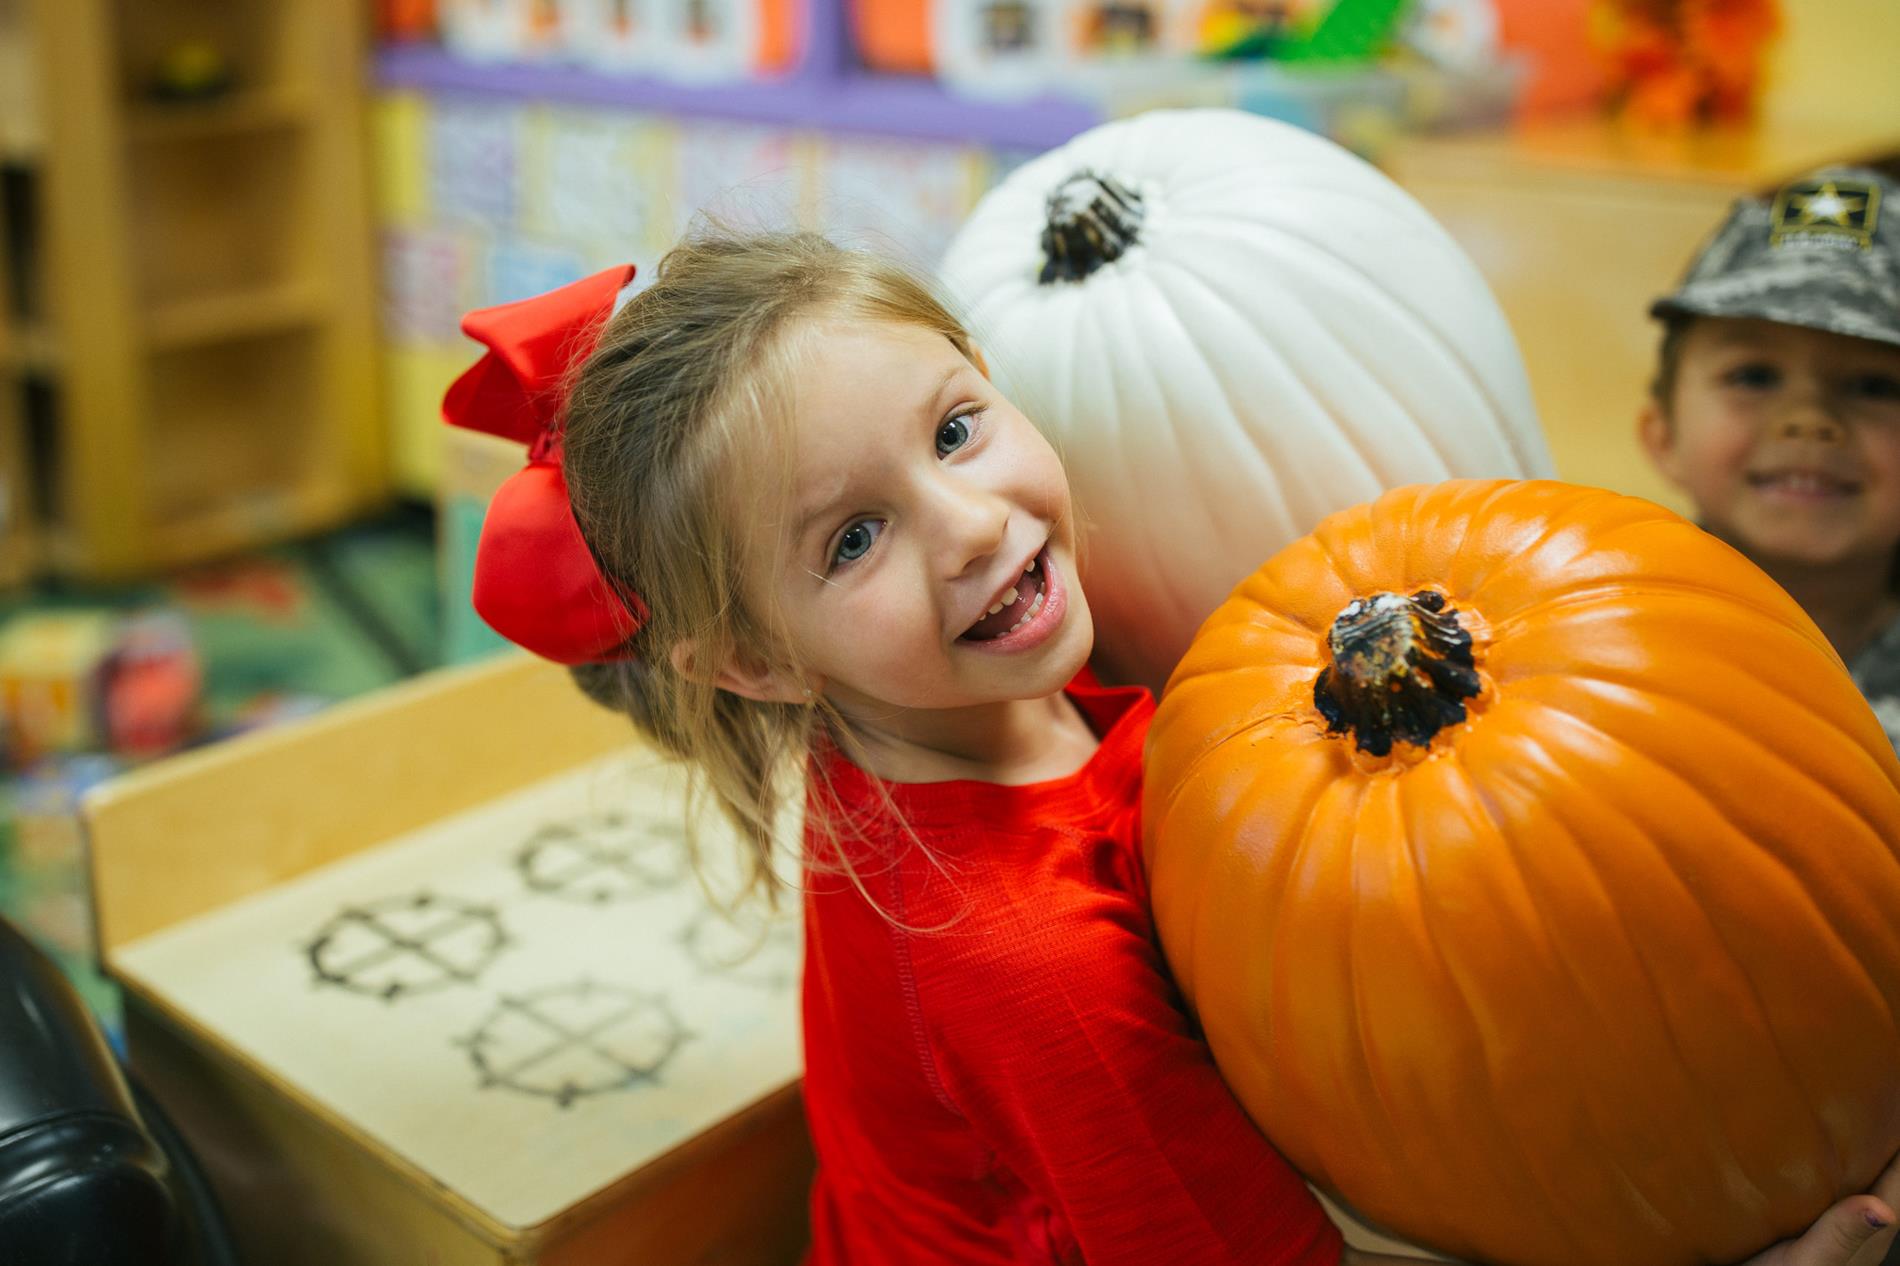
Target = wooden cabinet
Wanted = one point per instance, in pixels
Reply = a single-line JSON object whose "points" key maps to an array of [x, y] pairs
{"points": [[1577, 227], [199, 319], [19, 536]]}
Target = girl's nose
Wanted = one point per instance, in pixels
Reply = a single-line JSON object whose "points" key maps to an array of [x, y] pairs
{"points": [[974, 524]]}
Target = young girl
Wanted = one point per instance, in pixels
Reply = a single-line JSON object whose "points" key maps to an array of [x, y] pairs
{"points": [[807, 537]]}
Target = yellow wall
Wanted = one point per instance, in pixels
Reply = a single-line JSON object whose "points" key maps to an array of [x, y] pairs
{"points": [[1836, 63]]}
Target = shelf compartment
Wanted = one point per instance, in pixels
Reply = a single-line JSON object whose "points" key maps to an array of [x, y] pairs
{"points": [[259, 42], [211, 318], [234, 115], [250, 518], [235, 445], [226, 214]]}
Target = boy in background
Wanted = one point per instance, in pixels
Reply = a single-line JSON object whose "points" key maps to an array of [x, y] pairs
{"points": [[1776, 405]]}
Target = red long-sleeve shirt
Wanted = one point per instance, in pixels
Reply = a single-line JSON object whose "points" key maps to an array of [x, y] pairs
{"points": [[1022, 1085]]}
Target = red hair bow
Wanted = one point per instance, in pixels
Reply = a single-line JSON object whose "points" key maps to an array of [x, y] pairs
{"points": [[536, 581]]}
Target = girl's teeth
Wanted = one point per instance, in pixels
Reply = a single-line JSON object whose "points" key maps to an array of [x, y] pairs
{"points": [[1030, 614]]}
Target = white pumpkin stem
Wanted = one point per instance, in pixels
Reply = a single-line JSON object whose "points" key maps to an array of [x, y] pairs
{"points": [[1092, 219], [1401, 670]]}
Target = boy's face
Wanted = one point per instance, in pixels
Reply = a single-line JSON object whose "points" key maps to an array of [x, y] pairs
{"points": [[1787, 439]]}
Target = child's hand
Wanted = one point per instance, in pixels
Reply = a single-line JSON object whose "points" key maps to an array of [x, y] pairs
{"points": [[1859, 1231]]}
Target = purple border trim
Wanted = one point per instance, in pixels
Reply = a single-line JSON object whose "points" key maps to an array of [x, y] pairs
{"points": [[845, 100]]}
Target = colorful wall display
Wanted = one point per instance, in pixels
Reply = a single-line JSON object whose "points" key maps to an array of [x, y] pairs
{"points": [[487, 200]]}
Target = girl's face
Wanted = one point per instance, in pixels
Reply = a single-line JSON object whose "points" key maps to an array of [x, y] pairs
{"points": [[1788, 441], [927, 557]]}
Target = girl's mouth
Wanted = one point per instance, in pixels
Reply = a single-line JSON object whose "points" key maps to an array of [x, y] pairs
{"points": [[1024, 616]]}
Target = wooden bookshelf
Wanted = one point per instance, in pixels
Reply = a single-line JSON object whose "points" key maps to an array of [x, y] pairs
{"points": [[19, 535], [23, 343], [200, 316]]}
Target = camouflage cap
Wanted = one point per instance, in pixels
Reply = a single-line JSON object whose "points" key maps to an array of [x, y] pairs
{"points": [[1823, 253]]}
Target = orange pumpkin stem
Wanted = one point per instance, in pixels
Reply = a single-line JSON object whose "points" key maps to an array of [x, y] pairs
{"points": [[1092, 219], [1401, 670]]}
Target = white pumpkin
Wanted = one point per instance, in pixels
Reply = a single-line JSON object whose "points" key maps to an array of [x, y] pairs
{"points": [[1230, 328]]}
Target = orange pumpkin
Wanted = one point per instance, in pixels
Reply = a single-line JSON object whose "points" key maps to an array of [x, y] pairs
{"points": [[1533, 867]]}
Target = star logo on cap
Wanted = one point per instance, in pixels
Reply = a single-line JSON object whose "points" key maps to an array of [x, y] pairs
{"points": [[1828, 204], [1830, 211]]}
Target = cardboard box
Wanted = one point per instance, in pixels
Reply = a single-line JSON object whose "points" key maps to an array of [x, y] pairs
{"points": [[377, 1068], [52, 667]]}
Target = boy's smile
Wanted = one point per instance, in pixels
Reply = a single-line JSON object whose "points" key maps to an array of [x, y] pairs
{"points": [[1787, 439]]}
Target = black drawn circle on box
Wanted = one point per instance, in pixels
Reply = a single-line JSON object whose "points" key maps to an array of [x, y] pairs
{"points": [[567, 1042], [766, 956], [603, 858], [405, 945]]}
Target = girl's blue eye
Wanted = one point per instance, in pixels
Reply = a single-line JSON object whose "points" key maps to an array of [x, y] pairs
{"points": [[1756, 374], [953, 435], [856, 541]]}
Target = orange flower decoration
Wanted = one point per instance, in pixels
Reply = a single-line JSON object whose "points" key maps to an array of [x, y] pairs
{"points": [[1677, 63]]}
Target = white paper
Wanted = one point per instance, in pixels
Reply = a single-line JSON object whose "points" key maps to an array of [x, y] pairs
{"points": [[526, 1001]]}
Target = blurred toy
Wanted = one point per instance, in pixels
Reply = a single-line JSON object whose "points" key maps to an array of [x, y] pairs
{"points": [[1115, 37], [405, 19], [192, 71], [46, 842], [83, 680], [701, 40], [263, 588], [503, 30], [1227, 23], [268, 710], [1550, 38], [1459, 35], [1123, 26], [151, 685], [894, 36], [1347, 31], [614, 35], [50, 665], [1008, 49], [47, 893], [1675, 64]]}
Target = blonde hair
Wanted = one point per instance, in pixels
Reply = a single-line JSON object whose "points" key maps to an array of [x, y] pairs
{"points": [[694, 371]]}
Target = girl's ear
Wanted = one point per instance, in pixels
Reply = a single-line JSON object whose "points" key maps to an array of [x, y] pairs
{"points": [[742, 675]]}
